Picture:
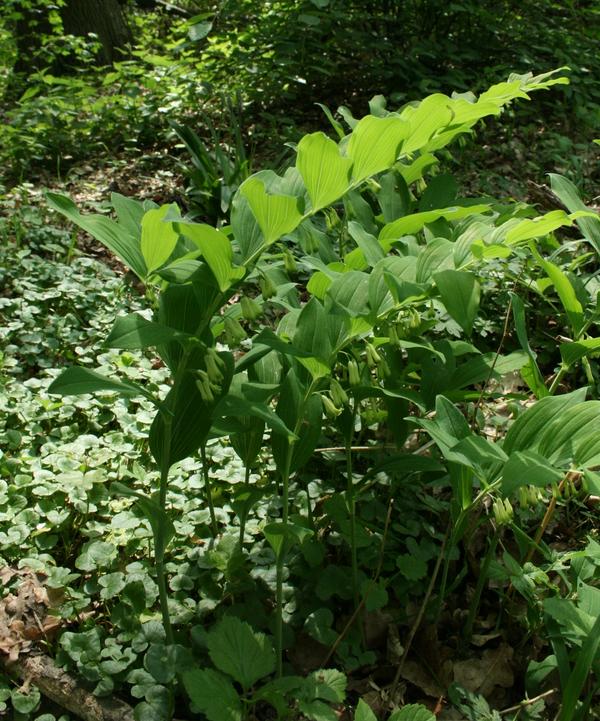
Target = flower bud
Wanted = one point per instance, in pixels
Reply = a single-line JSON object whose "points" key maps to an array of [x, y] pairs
{"points": [[414, 319], [353, 373], [338, 394], [373, 357], [234, 332], [289, 262], [383, 369], [393, 336], [267, 288], [251, 310], [204, 387], [503, 511], [524, 499], [332, 219], [331, 409], [214, 363]]}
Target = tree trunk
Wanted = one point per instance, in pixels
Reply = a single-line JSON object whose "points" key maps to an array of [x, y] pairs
{"points": [[105, 18]]}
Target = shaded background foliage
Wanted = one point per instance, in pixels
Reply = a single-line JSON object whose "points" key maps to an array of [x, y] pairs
{"points": [[174, 62]]}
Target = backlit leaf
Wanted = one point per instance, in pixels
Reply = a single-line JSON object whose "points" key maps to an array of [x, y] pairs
{"points": [[325, 172]]}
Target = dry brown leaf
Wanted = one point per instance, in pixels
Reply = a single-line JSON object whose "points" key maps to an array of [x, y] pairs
{"points": [[481, 675], [414, 673]]}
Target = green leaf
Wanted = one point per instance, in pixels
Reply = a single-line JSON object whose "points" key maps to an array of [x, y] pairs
{"points": [[311, 336], [213, 694], [217, 252], [114, 236], [430, 115], [316, 710], [328, 684], [526, 432], [282, 536], [372, 251], [412, 712], [134, 331], [25, 703], [450, 419], [78, 381], [161, 524], [572, 352], [411, 567], [460, 293], [192, 416], [566, 292], [531, 372], [525, 468], [411, 224], [325, 172], [129, 213], [374, 145], [159, 237], [531, 228], [236, 406], [586, 658], [275, 214], [559, 438], [95, 554], [569, 196], [163, 661], [364, 712], [486, 366], [240, 652]]}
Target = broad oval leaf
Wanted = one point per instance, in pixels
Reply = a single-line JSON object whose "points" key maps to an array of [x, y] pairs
{"points": [[276, 215], [115, 236], [460, 293], [134, 331], [375, 145], [77, 381], [159, 237], [325, 172], [217, 252]]}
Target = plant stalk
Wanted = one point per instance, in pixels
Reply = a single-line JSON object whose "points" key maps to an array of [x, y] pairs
{"points": [[208, 491], [352, 516], [285, 482], [159, 533], [483, 574], [244, 515]]}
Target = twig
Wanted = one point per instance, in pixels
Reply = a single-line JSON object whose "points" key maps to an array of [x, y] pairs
{"points": [[67, 691], [417, 622], [361, 605], [528, 702]]}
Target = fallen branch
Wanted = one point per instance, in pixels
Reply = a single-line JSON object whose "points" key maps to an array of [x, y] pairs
{"points": [[66, 691]]}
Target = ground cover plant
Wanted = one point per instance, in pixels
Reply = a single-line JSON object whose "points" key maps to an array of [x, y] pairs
{"points": [[337, 437]]}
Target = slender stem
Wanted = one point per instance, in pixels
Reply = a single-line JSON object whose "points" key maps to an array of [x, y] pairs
{"points": [[557, 379], [285, 482], [528, 701], [159, 532], [352, 514], [245, 508], [483, 574], [208, 491]]}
